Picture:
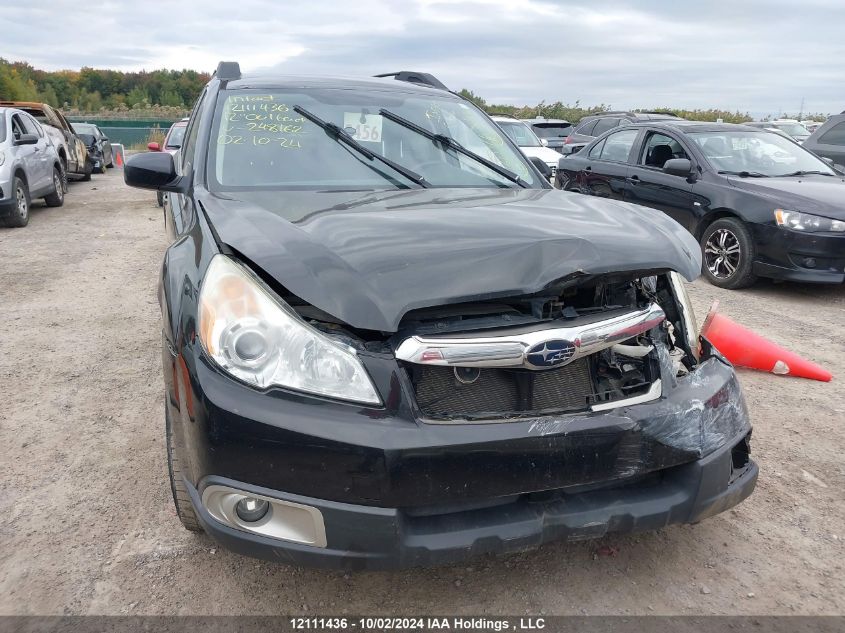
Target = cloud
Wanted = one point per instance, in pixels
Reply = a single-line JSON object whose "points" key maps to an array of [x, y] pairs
{"points": [[760, 56]]}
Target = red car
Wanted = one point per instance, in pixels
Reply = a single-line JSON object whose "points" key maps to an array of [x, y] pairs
{"points": [[172, 143]]}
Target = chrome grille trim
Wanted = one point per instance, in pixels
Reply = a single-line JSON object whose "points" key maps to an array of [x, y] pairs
{"points": [[511, 350]]}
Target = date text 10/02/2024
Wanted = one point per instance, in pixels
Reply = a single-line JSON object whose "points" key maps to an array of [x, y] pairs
{"points": [[364, 623]]}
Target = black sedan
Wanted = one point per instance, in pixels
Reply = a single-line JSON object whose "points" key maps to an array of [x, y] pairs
{"points": [[758, 203], [99, 147]]}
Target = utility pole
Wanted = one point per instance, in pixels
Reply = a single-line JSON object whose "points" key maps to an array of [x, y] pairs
{"points": [[801, 113]]}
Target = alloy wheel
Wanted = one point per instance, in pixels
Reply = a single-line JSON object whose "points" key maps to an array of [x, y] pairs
{"points": [[23, 208], [57, 183], [722, 253]]}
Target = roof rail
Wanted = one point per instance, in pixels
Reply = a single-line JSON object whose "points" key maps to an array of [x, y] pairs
{"points": [[228, 71], [411, 76]]}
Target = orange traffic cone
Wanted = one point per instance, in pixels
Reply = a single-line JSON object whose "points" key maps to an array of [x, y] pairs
{"points": [[117, 150], [744, 348]]}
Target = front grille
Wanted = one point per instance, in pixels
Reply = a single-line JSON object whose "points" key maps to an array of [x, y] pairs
{"points": [[502, 392]]}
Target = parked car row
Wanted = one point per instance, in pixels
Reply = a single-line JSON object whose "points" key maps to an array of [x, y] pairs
{"points": [[39, 151], [759, 204]]}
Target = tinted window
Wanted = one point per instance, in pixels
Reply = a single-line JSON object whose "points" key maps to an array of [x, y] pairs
{"points": [[617, 146], [586, 128], [659, 148], [551, 130], [18, 128], [834, 136], [191, 131], [605, 124], [596, 151]]}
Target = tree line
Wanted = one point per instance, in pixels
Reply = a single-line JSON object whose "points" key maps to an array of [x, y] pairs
{"points": [[93, 90], [171, 92]]}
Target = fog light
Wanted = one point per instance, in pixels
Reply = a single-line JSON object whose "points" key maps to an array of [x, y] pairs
{"points": [[809, 262], [250, 509]]}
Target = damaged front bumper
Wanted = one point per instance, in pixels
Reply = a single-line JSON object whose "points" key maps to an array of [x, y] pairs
{"points": [[393, 491], [366, 537]]}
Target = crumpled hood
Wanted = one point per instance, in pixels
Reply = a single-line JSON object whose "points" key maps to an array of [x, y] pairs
{"points": [[367, 258], [822, 195]]}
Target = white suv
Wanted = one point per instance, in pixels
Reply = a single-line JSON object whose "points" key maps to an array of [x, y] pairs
{"points": [[530, 144], [29, 167]]}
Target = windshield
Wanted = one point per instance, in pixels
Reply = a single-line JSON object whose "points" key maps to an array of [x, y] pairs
{"points": [[552, 131], [759, 153], [259, 141], [520, 133], [175, 136], [82, 128], [88, 139], [793, 129]]}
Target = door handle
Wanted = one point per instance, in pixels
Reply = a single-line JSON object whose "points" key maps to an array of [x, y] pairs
{"points": [[634, 180], [588, 168]]}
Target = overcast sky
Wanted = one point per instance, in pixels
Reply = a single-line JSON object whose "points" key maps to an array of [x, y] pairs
{"points": [[761, 56]]}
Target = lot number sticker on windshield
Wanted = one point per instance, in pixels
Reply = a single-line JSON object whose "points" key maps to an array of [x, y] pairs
{"points": [[363, 127]]}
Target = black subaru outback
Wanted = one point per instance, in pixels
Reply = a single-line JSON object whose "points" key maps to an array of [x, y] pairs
{"points": [[388, 342]]}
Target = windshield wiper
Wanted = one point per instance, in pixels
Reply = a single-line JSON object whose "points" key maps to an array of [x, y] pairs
{"points": [[744, 174], [444, 142], [804, 173], [342, 136]]}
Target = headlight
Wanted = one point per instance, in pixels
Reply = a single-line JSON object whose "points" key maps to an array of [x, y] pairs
{"points": [[254, 336], [687, 313], [808, 223]]}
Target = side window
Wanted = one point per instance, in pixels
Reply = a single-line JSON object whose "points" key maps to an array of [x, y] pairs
{"points": [[617, 146], [587, 128], [18, 128], [191, 132], [834, 136], [658, 149], [596, 151], [605, 124], [33, 126]]}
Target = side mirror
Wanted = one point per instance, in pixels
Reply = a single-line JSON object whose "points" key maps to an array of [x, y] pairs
{"points": [[105, 139], [829, 161], [153, 170], [541, 167], [544, 142], [153, 147], [678, 167], [26, 139]]}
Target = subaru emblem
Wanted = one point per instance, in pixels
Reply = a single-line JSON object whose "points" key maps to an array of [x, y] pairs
{"points": [[550, 353]]}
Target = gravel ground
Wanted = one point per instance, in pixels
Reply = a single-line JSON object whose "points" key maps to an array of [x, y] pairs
{"points": [[87, 525]]}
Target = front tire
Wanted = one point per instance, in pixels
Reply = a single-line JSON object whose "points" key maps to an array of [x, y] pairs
{"points": [[57, 198], [20, 214], [181, 499], [64, 175], [727, 254]]}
